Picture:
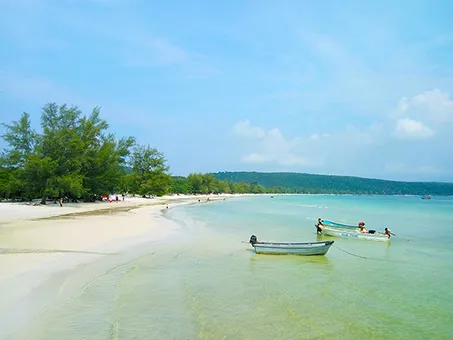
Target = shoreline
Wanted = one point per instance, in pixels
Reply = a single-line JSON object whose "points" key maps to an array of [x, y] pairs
{"points": [[197, 275], [31, 235], [14, 211], [39, 242]]}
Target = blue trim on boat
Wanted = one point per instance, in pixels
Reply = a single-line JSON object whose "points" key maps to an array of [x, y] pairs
{"points": [[335, 224]]}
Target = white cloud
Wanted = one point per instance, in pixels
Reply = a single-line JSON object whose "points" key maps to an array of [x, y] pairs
{"points": [[245, 129], [407, 128], [268, 146], [255, 158], [317, 136], [433, 106], [352, 150], [403, 104]]}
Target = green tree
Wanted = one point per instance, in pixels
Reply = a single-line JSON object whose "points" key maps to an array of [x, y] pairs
{"points": [[158, 183], [21, 142], [74, 155], [180, 185], [62, 143], [255, 188], [209, 184], [87, 160], [223, 187], [149, 172], [4, 182], [196, 182], [241, 188]]}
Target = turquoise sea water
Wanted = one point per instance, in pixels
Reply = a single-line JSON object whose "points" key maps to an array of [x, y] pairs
{"points": [[207, 284]]}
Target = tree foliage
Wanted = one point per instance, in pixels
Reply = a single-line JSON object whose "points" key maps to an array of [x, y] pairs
{"points": [[198, 183], [322, 184], [149, 172], [180, 185], [75, 156]]}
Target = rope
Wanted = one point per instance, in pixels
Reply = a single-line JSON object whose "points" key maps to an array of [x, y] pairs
{"points": [[401, 238], [347, 252], [364, 257]]}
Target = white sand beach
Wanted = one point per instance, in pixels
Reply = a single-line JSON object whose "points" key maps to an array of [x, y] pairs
{"points": [[31, 235], [36, 241]]}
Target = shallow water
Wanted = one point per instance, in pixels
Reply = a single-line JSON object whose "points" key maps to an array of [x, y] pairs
{"points": [[207, 284]]}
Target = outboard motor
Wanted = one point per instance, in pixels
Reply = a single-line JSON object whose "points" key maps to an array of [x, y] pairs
{"points": [[253, 240]]}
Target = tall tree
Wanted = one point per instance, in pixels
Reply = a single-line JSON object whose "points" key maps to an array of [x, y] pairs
{"points": [[149, 171], [21, 142], [180, 185], [196, 182], [74, 156], [63, 144], [209, 184], [104, 157], [223, 187]]}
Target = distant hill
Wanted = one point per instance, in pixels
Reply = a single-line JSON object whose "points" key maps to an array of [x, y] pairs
{"points": [[309, 183]]}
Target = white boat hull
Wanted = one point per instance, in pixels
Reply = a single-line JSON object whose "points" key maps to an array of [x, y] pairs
{"points": [[287, 248], [347, 233]]}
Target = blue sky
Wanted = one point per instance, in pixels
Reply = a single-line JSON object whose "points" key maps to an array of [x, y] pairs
{"points": [[335, 87]]}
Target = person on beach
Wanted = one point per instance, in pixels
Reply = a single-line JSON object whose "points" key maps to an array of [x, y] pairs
{"points": [[61, 202], [319, 226]]}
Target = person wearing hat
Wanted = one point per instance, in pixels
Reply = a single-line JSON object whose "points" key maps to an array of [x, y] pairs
{"points": [[362, 228]]}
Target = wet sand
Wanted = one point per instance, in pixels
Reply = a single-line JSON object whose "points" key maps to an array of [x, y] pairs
{"points": [[39, 241]]}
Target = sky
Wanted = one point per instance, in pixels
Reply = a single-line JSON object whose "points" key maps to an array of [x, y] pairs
{"points": [[360, 88]]}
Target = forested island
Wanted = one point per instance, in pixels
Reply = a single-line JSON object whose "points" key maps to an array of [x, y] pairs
{"points": [[76, 157], [289, 182]]}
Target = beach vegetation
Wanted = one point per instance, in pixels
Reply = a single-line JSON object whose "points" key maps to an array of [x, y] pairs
{"points": [[75, 157], [302, 183], [149, 174]]}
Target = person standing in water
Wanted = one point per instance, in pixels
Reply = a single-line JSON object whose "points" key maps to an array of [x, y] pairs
{"points": [[319, 226]]}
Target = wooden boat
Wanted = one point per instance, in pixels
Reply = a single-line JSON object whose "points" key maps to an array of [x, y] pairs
{"points": [[290, 248], [353, 233]]}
